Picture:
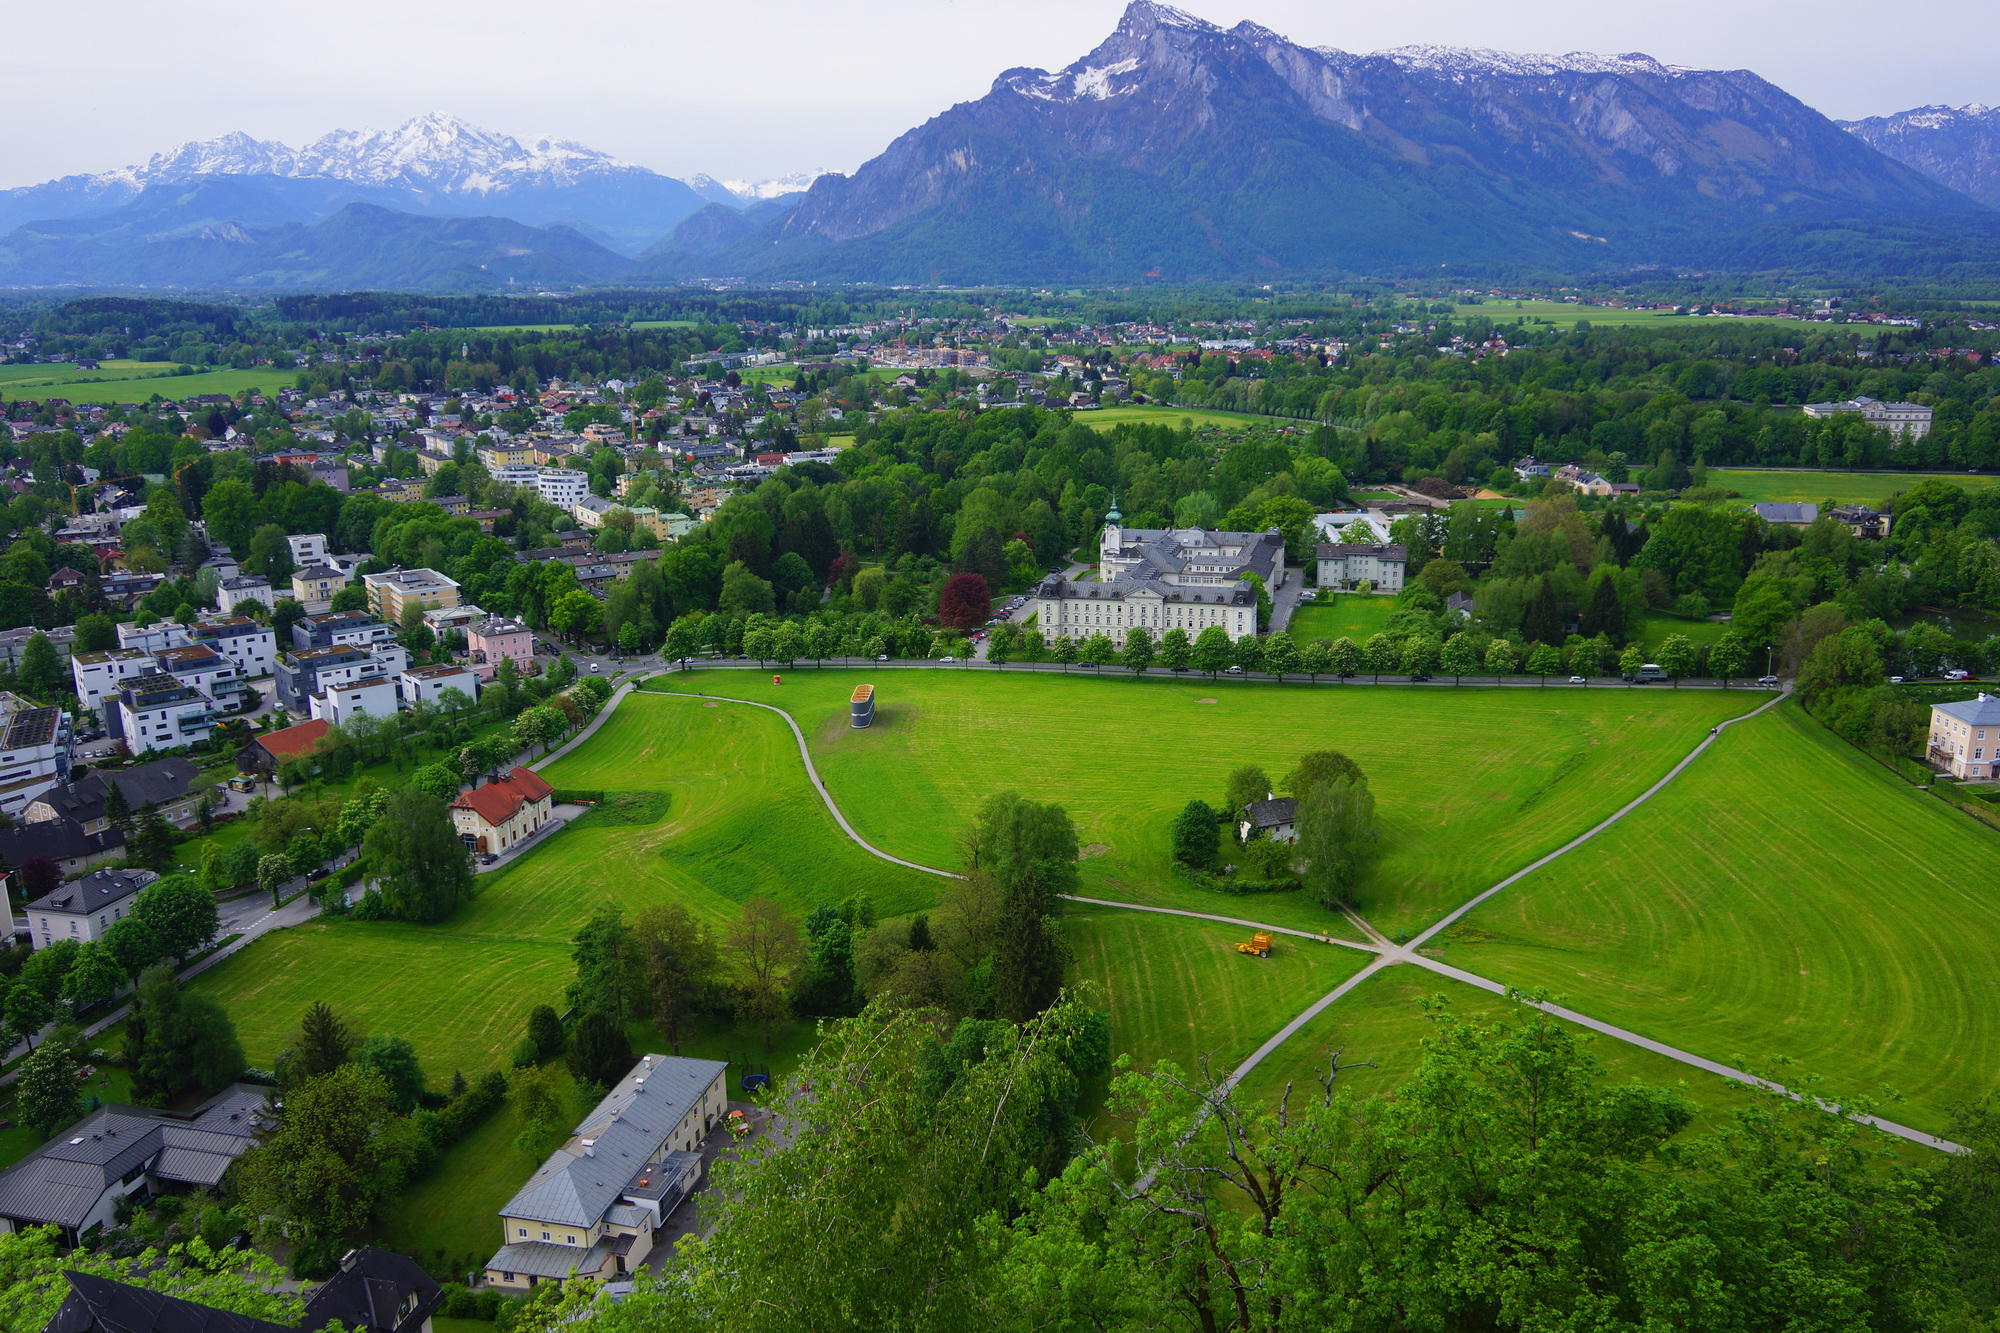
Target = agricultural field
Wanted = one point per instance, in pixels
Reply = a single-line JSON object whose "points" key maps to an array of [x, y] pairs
{"points": [[1869, 488], [1104, 418], [1350, 617], [129, 383], [1783, 899], [740, 822], [1528, 769]]}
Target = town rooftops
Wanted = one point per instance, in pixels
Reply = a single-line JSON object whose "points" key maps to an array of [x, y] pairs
{"points": [[500, 800], [411, 580], [379, 1291], [607, 1153], [1983, 711], [226, 627], [99, 889], [497, 625], [162, 782]]}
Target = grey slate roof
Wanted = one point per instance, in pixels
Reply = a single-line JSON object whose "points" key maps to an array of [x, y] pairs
{"points": [[99, 1305], [1981, 712], [1788, 511], [99, 889], [379, 1291], [581, 1180], [1272, 813], [539, 1258]]}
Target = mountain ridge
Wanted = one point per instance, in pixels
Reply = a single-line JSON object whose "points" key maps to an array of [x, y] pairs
{"points": [[1958, 146]]}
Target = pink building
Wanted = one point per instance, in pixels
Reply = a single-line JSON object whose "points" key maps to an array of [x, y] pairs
{"points": [[496, 637]]}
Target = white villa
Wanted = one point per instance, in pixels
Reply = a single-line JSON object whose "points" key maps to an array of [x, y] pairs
{"points": [[1905, 421], [1163, 579]]}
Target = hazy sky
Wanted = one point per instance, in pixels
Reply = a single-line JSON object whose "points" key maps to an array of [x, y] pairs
{"points": [[756, 90]]}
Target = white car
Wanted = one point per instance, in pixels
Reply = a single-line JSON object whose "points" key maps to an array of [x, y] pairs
{"points": [[947, 659], [1579, 680], [1771, 681], [1958, 675]]}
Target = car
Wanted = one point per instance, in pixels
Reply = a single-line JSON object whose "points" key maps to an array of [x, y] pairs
{"points": [[947, 660], [1958, 675], [488, 859], [882, 657], [1579, 680], [1771, 681], [1418, 678], [595, 667], [1895, 680], [1177, 669], [1232, 671]]}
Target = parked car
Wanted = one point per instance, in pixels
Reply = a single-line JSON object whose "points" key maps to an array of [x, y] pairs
{"points": [[1895, 680], [1771, 681], [1579, 680], [1958, 675], [595, 667], [1177, 669], [947, 660], [882, 657], [1232, 671]]}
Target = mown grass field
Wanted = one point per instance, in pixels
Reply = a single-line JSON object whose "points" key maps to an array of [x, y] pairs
{"points": [[1564, 315], [1351, 616], [1104, 418], [742, 822], [126, 383], [1660, 626], [1177, 989], [1784, 898], [1382, 1023], [1870, 488], [1470, 784]]}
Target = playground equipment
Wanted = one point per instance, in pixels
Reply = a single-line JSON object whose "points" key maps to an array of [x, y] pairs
{"points": [[1259, 944], [756, 1080]]}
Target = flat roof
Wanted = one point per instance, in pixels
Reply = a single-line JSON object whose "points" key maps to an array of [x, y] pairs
{"points": [[862, 694]]}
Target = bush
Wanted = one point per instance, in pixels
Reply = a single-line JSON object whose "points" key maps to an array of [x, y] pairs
{"points": [[576, 795], [371, 907], [525, 1054], [318, 1258]]}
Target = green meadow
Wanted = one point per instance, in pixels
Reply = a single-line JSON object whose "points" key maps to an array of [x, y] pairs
{"points": [[1348, 616], [1104, 418], [135, 382], [1869, 488], [1564, 315], [1783, 899]]}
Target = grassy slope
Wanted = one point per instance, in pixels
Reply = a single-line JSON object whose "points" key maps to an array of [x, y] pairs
{"points": [[1105, 418], [1470, 784], [1870, 488], [136, 386], [1784, 898], [743, 822]]}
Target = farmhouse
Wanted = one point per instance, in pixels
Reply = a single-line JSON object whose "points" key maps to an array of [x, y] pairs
{"points": [[1344, 564], [1164, 578], [1276, 817], [1965, 737], [592, 1209], [494, 817]]}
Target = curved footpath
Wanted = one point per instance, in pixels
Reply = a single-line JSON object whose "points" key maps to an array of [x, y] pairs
{"points": [[1386, 953]]}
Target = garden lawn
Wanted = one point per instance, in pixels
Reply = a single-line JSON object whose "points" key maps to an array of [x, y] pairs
{"points": [[456, 1208], [1470, 784], [741, 822], [1783, 898], [1177, 989], [1349, 616], [1870, 488]]}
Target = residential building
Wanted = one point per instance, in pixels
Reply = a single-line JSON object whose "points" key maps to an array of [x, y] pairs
{"points": [[1343, 565], [264, 753], [150, 637], [1339, 524], [1275, 817], [1862, 521], [513, 453], [1905, 421], [592, 1210], [1965, 738], [561, 486], [251, 646], [390, 592], [98, 676], [444, 619], [157, 711], [73, 1181], [231, 593], [493, 817], [1162, 579], [489, 640], [340, 704], [83, 909], [168, 785], [428, 684], [356, 629], [592, 510], [375, 1291], [1528, 469], [14, 642], [308, 549], [309, 671], [1585, 481], [209, 671], [1790, 514], [314, 586], [34, 755]]}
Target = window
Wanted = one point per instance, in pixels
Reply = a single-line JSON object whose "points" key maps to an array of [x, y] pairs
{"points": [[521, 1231], [569, 1240], [545, 1235]]}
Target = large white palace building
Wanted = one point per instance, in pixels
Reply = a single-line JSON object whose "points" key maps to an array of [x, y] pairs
{"points": [[1162, 579]]}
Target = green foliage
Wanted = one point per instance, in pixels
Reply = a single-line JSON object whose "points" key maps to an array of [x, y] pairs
{"points": [[33, 1285], [340, 1150], [424, 869], [394, 1061], [599, 1053], [1196, 835], [181, 913], [324, 1043], [46, 1096], [178, 1040], [545, 1033]]}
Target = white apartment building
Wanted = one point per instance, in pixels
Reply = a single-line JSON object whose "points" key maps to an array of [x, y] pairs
{"points": [[251, 646], [428, 684], [201, 666], [560, 486], [308, 549], [337, 705], [156, 711], [83, 909], [34, 754], [99, 676], [1344, 564]]}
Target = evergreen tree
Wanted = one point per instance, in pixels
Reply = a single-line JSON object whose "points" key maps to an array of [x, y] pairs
{"points": [[185, 1039], [325, 1042], [117, 810], [545, 1033], [1196, 835], [1028, 962], [1605, 614], [1542, 623], [599, 1053], [426, 872]]}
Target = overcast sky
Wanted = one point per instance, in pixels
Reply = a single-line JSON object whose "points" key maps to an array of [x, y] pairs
{"points": [[745, 91]]}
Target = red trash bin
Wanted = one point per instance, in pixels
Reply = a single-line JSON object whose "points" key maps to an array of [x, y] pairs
{"points": [[777, 680]]}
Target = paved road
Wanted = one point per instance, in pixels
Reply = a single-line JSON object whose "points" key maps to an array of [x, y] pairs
{"points": [[1388, 953], [1286, 599]]}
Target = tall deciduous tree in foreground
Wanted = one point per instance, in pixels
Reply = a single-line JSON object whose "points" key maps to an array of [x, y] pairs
{"points": [[425, 870], [764, 943]]}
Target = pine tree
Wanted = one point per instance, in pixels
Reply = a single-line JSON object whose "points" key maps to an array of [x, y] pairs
{"points": [[1028, 964], [324, 1044], [1606, 614], [117, 810]]}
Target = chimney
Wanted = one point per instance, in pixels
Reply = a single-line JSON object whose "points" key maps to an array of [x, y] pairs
{"points": [[638, 1085], [590, 1147]]}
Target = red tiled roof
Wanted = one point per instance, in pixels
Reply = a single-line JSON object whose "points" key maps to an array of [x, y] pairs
{"points": [[291, 742], [498, 802]]}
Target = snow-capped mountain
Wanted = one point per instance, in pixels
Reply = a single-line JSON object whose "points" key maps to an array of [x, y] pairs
{"points": [[1178, 148], [430, 164], [736, 194], [1958, 145]]}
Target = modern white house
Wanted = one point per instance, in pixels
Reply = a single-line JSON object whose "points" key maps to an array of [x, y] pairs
{"points": [[339, 704], [1965, 738], [34, 753], [1162, 579], [308, 549], [592, 1210], [158, 711], [428, 684]]}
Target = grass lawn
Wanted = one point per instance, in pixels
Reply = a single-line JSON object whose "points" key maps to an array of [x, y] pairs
{"points": [[131, 384], [1350, 616], [742, 822], [1659, 625], [456, 1208], [106, 1085], [1382, 1022], [1784, 898], [1564, 315], [1870, 488], [1178, 990], [1529, 769], [1105, 418]]}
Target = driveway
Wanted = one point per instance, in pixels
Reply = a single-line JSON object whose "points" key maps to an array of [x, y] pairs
{"points": [[1286, 599], [687, 1220]]}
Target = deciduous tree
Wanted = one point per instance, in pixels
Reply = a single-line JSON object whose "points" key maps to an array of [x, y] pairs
{"points": [[764, 942], [425, 870]]}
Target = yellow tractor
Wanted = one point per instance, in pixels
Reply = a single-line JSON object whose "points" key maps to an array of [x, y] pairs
{"points": [[1258, 944]]}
